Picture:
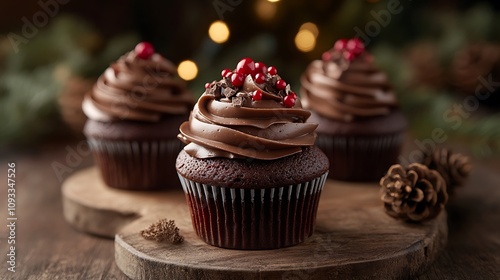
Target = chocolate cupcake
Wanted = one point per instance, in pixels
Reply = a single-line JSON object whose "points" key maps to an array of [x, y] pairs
{"points": [[360, 127], [251, 174], [134, 111]]}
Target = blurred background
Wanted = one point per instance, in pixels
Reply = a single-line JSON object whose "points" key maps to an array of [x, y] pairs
{"points": [[442, 56]]}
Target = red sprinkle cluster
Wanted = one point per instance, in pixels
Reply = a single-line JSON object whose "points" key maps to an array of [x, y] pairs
{"points": [[350, 49], [260, 74], [144, 50]]}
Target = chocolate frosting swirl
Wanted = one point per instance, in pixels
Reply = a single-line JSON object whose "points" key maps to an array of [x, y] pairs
{"points": [[347, 90], [138, 89], [264, 129]]}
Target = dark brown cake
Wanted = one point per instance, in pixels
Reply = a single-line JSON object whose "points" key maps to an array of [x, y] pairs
{"points": [[151, 166], [251, 174], [254, 174], [255, 204], [360, 151]]}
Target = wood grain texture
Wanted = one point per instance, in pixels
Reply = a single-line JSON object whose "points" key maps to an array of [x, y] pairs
{"points": [[49, 248], [354, 238]]}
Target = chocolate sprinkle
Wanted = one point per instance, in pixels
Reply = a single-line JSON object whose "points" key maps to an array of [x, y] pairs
{"points": [[214, 90], [229, 92], [226, 82], [238, 101], [225, 91]]}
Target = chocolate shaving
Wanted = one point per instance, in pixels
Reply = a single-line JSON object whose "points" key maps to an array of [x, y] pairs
{"points": [[269, 78], [269, 88], [215, 90], [273, 80], [163, 230], [229, 92], [225, 82], [225, 91], [240, 99]]}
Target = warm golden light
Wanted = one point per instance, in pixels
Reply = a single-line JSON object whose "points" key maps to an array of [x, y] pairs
{"points": [[273, 1], [218, 32], [265, 10], [305, 40], [311, 27], [187, 70]]}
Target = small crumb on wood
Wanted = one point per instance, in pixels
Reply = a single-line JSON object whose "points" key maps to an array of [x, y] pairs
{"points": [[163, 230]]}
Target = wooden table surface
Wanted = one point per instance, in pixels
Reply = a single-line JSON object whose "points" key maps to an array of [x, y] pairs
{"points": [[48, 248]]}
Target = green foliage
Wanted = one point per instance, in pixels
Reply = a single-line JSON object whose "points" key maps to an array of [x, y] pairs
{"points": [[27, 106], [426, 106], [32, 78]]}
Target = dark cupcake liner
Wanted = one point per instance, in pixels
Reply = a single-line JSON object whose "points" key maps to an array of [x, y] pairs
{"points": [[360, 158], [137, 165], [253, 218]]}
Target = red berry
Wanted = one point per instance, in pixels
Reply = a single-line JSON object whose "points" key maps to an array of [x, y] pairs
{"points": [[349, 55], [280, 84], [207, 85], [144, 50], [272, 70], [226, 73], [326, 56], [245, 66], [257, 95], [293, 95], [355, 46], [340, 44], [289, 101], [260, 78], [237, 79], [260, 68]]}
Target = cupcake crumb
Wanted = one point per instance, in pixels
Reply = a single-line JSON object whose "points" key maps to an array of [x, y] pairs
{"points": [[163, 230]]}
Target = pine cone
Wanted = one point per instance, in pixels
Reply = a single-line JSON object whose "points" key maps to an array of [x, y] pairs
{"points": [[414, 193], [454, 168]]}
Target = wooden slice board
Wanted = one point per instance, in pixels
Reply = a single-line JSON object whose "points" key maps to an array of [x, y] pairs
{"points": [[354, 238]]}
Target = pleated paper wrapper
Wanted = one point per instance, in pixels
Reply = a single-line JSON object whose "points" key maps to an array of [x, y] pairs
{"points": [[137, 165], [253, 218], [360, 158]]}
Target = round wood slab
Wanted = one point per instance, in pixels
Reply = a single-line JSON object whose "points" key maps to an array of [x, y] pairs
{"points": [[354, 238]]}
